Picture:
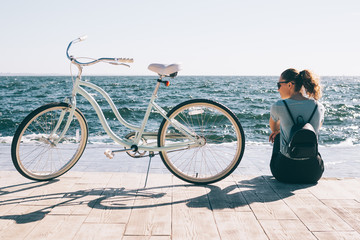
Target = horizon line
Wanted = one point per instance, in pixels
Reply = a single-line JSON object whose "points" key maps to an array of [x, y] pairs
{"points": [[150, 75]]}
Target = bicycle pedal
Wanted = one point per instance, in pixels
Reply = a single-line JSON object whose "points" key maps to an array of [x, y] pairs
{"points": [[109, 154]]}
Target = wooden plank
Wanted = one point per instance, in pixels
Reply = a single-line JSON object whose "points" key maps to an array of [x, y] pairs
{"points": [[54, 187], [238, 225], [116, 201], [11, 214], [22, 214], [151, 213], [286, 230], [79, 200], [351, 185], [5, 224], [192, 217], [226, 196], [57, 227], [264, 202], [285, 190], [272, 210], [46, 201], [96, 231], [316, 215], [189, 223], [18, 230], [7, 203], [333, 189], [127, 180], [312, 211], [146, 238], [110, 210], [348, 210], [18, 186], [95, 177], [29, 218], [71, 176], [152, 220], [337, 235]]}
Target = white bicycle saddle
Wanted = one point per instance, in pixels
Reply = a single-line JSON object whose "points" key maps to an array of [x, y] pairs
{"points": [[164, 70]]}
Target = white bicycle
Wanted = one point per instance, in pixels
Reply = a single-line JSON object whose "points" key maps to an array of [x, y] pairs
{"points": [[200, 141]]}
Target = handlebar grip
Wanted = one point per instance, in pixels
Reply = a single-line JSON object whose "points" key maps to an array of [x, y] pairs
{"points": [[83, 38], [124, 60]]}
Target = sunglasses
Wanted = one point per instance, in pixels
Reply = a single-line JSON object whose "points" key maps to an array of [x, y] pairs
{"points": [[279, 84]]}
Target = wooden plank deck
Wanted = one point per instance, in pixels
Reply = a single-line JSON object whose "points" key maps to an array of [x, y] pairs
{"points": [[88, 205]]}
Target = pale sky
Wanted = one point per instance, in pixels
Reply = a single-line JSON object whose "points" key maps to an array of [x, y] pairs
{"points": [[209, 37]]}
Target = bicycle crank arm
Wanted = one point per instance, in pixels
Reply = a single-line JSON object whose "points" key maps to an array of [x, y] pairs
{"points": [[111, 153]]}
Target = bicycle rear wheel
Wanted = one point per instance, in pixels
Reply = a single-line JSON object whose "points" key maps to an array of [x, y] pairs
{"points": [[34, 151], [223, 141]]}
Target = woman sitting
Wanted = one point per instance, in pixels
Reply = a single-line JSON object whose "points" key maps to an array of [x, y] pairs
{"points": [[293, 87]]}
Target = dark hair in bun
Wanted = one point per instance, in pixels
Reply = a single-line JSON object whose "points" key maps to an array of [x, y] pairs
{"points": [[306, 79]]}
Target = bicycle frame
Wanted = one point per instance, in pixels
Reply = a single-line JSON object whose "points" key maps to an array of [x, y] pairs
{"points": [[200, 141], [78, 89]]}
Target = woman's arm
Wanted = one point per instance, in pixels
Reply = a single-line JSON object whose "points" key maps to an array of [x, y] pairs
{"points": [[275, 129]]}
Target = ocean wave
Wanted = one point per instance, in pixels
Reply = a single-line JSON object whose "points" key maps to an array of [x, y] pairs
{"points": [[349, 142], [249, 101], [105, 140], [7, 139]]}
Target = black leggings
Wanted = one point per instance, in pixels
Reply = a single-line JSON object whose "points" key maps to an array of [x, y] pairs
{"points": [[287, 170]]}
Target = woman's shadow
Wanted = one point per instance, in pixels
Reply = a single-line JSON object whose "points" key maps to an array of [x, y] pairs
{"points": [[260, 189]]}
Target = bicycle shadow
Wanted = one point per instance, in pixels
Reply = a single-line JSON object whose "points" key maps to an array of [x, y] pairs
{"points": [[31, 185], [240, 194]]}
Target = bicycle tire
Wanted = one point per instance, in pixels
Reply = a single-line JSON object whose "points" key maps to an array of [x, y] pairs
{"points": [[34, 153], [224, 141]]}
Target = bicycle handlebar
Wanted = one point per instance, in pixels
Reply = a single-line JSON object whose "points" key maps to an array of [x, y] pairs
{"points": [[113, 61]]}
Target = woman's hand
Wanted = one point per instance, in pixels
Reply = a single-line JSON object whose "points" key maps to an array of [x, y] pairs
{"points": [[273, 135], [275, 129]]}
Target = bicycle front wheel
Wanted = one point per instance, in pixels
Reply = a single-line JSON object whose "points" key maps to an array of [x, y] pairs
{"points": [[38, 153], [221, 134]]}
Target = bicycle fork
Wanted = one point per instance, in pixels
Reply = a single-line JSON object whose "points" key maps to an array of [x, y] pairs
{"points": [[72, 103]]}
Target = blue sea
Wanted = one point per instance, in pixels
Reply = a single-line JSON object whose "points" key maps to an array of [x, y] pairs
{"points": [[249, 97]]}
